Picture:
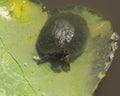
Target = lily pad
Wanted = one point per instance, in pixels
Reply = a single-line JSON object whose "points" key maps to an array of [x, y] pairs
{"points": [[19, 73]]}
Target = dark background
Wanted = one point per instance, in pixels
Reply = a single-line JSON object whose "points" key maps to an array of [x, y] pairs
{"points": [[110, 85]]}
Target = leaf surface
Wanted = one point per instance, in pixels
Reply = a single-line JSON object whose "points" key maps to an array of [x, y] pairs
{"points": [[21, 76]]}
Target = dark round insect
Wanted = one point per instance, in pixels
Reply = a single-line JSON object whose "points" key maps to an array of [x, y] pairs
{"points": [[62, 39]]}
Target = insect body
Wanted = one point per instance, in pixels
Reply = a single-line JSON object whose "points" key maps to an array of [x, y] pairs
{"points": [[62, 39]]}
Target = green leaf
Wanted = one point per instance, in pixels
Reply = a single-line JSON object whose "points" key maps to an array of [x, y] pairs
{"points": [[21, 76]]}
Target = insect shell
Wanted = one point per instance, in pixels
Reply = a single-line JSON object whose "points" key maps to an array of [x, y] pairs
{"points": [[62, 39]]}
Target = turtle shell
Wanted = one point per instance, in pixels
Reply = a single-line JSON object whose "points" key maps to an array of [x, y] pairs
{"points": [[61, 32]]}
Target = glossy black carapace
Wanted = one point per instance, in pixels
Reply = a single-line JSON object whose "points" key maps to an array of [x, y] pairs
{"points": [[62, 39]]}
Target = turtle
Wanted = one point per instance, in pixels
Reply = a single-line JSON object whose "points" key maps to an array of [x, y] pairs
{"points": [[62, 39]]}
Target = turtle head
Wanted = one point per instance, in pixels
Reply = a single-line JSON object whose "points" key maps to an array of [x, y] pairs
{"points": [[63, 58]]}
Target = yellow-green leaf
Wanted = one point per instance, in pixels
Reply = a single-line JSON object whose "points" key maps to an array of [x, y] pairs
{"points": [[19, 73]]}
